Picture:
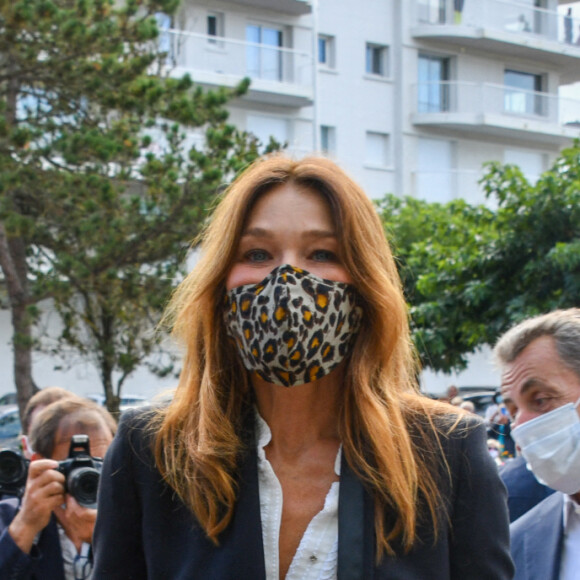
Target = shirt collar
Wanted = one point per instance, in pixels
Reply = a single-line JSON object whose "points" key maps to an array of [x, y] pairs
{"points": [[265, 436], [571, 510]]}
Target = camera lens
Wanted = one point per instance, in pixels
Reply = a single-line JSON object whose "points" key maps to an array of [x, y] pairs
{"points": [[12, 467], [83, 484]]}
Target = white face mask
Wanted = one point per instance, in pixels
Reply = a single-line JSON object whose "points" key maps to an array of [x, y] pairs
{"points": [[550, 444]]}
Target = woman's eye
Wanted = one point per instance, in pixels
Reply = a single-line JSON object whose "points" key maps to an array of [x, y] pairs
{"points": [[257, 256], [324, 256]]}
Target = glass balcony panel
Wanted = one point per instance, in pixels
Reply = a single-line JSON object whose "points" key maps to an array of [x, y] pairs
{"points": [[265, 61], [517, 16], [435, 96], [490, 99]]}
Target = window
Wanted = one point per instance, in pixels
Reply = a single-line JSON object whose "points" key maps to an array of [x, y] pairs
{"points": [[434, 175], [215, 26], [523, 93], [164, 38], [433, 87], [264, 128], [327, 139], [264, 61], [531, 163], [432, 11], [377, 149], [376, 59], [326, 51]]}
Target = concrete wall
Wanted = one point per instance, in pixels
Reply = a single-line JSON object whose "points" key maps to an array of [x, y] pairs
{"points": [[81, 378]]}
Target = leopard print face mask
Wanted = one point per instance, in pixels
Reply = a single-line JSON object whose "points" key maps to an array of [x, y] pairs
{"points": [[293, 327]]}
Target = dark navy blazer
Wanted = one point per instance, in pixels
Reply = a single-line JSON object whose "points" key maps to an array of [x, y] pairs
{"points": [[45, 560], [523, 489], [537, 540], [144, 531]]}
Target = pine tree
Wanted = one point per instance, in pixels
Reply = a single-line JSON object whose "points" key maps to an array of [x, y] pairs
{"points": [[108, 165]]}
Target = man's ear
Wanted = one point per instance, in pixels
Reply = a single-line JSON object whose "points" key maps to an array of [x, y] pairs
{"points": [[25, 446], [36, 456]]}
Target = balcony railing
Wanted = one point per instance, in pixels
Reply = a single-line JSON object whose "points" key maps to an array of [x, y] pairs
{"points": [[294, 7], [226, 60], [492, 99], [501, 15]]}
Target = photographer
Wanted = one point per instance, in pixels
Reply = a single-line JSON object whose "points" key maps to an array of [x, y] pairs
{"points": [[47, 534]]}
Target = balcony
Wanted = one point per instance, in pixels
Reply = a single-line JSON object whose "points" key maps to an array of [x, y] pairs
{"points": [[293, 7], [504, 27], [280, 76], [497, 110]]}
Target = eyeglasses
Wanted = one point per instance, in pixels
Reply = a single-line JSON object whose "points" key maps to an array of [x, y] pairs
{"points": [[82, 567]]}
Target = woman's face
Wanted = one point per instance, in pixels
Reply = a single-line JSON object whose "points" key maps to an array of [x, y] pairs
{"points": [[288, 225]]}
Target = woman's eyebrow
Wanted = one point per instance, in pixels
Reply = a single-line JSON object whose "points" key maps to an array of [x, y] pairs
{"points": [[258, 232]]}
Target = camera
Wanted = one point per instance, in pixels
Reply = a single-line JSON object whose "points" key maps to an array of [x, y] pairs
{"points": [[81, 471], [13, 472]]}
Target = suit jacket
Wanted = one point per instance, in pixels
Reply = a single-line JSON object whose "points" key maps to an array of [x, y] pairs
{"points": [[524, 490], [144, 531], [45, 559], [536, 540]]}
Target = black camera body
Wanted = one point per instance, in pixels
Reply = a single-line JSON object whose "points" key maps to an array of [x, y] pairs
{"points": [[81, 471]]}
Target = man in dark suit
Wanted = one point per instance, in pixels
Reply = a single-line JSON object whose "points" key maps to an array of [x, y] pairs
{"points": [[47, 535], [540, 362], [524, 490]]}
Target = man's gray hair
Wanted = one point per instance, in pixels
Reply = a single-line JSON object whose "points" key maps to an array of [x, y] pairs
{"points": [[562, 325]]}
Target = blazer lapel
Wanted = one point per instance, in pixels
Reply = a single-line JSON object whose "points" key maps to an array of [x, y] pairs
{"points": [[355, 546], [543, 541], [246, 527]]}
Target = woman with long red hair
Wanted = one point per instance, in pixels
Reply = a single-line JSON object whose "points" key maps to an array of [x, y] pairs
{"points": [[297, 444]]}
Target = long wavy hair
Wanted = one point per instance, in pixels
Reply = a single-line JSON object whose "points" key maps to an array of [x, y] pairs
{"points": [[389, 435]]}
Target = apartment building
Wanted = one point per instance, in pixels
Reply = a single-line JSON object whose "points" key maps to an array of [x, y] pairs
{"points": [[409, 97]]}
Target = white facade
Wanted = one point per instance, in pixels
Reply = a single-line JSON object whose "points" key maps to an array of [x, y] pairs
{"points": [[409, 97]]}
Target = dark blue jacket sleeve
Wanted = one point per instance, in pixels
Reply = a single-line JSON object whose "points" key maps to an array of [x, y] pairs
{"points": [[480, 543], [14, 563], [45, 558], [117, 539]]}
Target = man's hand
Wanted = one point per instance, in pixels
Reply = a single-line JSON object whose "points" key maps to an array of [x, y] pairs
{"points": [[44, 491], [78, 522]]}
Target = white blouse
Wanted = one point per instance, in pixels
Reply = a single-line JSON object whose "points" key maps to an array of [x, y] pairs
{"points": [[316, 556]]}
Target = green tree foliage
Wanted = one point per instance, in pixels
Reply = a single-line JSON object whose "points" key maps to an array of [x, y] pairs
{"points": [[534, 266], [108, 166], [437, 249], [471, 272]]}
